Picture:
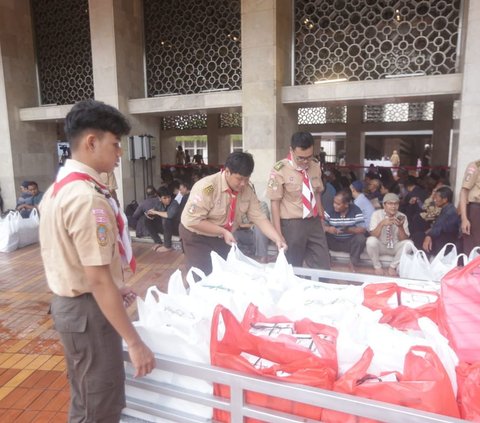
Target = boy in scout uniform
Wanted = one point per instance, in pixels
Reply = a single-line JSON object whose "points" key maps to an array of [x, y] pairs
{"points": [[83, 244], [215, 209], [470, 207], [294, 188]]}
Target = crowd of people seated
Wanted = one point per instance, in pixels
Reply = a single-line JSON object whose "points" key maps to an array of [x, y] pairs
{"points": [[378, 214], [389, 211]]}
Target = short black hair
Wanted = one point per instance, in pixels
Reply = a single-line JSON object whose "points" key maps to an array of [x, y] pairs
{"points": [[151, 191], [411, 181], [240, 162], [302, 140], [345, 195], [445, 192], [32, 184], [164, 192], [187, 185], [92, 114]]}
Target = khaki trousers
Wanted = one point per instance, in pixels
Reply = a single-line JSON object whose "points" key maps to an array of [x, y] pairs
{"points": [[93, 352], [375, 249]]}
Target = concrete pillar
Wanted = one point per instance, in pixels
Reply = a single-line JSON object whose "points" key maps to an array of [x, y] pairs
{"points": [[116, 28], [468, 141], [213, 141], [442, 125], [355, 137], [266, 58], [27, 150]]}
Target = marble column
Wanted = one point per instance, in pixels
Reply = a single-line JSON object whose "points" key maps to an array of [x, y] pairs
{"points": [[442, 125], [116, 28], [355, 137], [468, 146], [266, 67]]}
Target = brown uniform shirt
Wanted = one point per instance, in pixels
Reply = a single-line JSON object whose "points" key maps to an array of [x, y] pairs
{"points": [[209, 200], [471, 181], [77, 229], [285, 184]]}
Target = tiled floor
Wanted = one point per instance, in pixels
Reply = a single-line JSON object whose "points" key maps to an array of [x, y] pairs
{"points": [[33, 384]]}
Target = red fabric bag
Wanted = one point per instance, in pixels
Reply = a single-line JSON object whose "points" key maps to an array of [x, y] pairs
{"points": [[402, 317], [468, 378], [424, 385], [459, 311], [290, 362]]}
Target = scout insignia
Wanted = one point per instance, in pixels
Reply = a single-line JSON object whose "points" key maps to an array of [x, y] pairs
{"points": [[102, 234], [278, 165], [208, 190], [192, 209], [100, 215]]}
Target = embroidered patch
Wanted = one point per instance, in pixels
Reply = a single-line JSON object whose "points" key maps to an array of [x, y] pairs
{"points": [[102, 235], [471, 169], [278, 165], [467, 178], [208, 190], [272, 183], [101, 219], [192, 209], [99, 212]]}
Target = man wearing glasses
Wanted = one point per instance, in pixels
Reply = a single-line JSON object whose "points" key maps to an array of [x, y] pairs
{"points": [[294, 188]]}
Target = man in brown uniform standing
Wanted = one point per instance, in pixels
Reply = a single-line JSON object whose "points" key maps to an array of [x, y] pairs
{"points": [[83, 243], [215, 209], [470, 207], [294, 188]]}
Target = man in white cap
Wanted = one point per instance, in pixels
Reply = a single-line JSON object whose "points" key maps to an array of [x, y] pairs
{"points": [[388, 234]]}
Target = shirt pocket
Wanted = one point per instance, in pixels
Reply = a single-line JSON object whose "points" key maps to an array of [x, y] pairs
{"points": [[293, 187]]}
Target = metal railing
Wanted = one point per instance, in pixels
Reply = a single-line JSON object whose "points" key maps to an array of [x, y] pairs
{"points": [[238, 409], [240, 382]]}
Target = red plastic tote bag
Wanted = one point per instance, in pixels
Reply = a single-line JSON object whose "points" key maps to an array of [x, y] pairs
{"points": [[279, 357], [459, 311], [424, 385]]}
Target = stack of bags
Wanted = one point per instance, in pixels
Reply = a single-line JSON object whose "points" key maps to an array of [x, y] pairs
{"points": [[380, 341]]}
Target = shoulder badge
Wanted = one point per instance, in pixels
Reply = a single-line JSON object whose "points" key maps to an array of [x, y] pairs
{"points": [[278, 165], [208, 190]]}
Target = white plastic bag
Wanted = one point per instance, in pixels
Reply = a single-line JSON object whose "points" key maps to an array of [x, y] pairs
{"points": [[9, 233], [414, 264], [28, 229], [176, 325], [443, 262]]}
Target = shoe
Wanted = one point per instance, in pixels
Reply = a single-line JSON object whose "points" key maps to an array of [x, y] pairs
{"points": [[162, 249], [379, 272], [156, 247]]}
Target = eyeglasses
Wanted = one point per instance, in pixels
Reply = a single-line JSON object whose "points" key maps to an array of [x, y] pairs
{"points": [[302, 158]]}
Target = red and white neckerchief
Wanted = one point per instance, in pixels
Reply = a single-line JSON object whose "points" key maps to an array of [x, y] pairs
{"points": [[231, 211], [308, 196], [65, 176]]}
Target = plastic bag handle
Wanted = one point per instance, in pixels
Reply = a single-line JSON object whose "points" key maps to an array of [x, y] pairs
{"points": [[448, 244], [150, 297], [194, 270]]}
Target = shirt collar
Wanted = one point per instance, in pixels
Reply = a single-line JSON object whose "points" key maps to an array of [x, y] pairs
{"points": [[72, 165]]}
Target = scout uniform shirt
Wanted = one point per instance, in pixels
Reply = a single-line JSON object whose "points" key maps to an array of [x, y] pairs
{"points": [[77, 229], [209, 200], [285, 184], [471, 181]]}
